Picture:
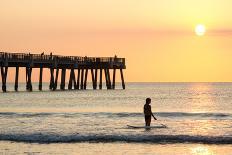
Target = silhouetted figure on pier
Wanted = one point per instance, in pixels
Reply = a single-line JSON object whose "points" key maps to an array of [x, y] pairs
{"points": [[115, 58], [51, 56]]}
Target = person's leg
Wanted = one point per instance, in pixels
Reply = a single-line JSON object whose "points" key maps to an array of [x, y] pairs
{"points": [[149, 124], [149, 121], [146, 120]]}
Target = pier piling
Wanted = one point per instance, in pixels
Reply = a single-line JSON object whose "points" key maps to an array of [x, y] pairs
{"points": [[16, 78], [114, 75], [4, 71], [62, 82], [78, 78], [82, 78], [100, 82], [70, 81], [28, 79], [40, 77], [86, 78], [106, 78], [109, 80], [56, 79], [51, 85], [122, 78], [95, 79]]}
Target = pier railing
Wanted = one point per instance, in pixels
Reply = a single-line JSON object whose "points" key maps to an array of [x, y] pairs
{"points": [[42, 58]]}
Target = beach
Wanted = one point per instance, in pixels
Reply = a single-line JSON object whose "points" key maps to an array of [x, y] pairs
{"points": [[198, 117]]}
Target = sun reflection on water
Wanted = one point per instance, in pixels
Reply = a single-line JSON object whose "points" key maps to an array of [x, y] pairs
{"points": [[202, 98], [201, 150]]}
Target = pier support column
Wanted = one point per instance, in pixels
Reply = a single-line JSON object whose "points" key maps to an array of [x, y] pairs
{"points": [[82, 78], [40, 77], [27, 86], [122, 78], [78, 78], [109, 79], [95, 79], [62, 84], [56, 79], [72, 79], [106, 78], [51, 85], [86, 78], [28, 78], [114, 75], [100, 82], [4, 71], [16, 78]]}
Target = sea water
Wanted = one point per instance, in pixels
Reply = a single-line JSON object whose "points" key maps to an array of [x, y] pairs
{"points": [[198, 117]]}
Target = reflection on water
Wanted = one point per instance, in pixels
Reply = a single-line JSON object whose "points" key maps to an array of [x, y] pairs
{"points": [[166, 97], [201, 150], [114, 148], [201, 96]]}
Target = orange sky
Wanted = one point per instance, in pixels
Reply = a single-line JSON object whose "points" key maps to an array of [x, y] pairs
{"points": [[156, 36]]}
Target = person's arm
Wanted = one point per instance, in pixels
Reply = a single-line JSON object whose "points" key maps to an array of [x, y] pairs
{"points": [[153, 115]]}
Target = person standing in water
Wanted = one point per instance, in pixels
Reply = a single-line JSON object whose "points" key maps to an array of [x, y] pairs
{"points": [[147, 112]]}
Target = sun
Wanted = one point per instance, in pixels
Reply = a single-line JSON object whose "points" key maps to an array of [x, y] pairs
{"points": [[200, 30]]}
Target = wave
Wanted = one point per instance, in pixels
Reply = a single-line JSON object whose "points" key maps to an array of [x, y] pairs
{"points": [[179, 114], [122, 114], [74, 138]]}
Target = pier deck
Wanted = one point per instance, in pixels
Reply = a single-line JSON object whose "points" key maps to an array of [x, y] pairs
{"points": [[55, 63]]}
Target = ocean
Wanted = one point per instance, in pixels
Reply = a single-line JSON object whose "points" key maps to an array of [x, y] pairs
{"points": [[198, 117]]}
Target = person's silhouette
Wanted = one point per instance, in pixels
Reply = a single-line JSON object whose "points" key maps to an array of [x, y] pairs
{"points": [[147, 112]]}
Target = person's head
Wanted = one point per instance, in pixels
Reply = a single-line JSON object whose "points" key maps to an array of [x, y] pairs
{"points": [[148, 100]]}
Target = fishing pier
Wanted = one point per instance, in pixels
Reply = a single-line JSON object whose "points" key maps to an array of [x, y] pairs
{"points": [[58, 65]]}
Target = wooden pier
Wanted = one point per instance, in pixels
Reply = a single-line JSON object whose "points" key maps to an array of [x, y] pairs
{"points": [[97, 66]]}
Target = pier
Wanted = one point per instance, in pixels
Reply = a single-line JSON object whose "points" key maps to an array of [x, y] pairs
{"points": [[58, 65]]}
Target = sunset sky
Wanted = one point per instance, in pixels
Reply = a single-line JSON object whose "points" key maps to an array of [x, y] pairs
{"points": [[157, 37]]}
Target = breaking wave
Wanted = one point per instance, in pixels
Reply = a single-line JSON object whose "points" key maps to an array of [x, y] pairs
{"points": [[74, 138]]}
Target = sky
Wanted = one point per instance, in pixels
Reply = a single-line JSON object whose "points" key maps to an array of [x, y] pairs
{"points": [[156, 37]]}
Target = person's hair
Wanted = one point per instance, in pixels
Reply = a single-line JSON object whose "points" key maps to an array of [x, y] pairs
{"points": [[148, 100]]}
